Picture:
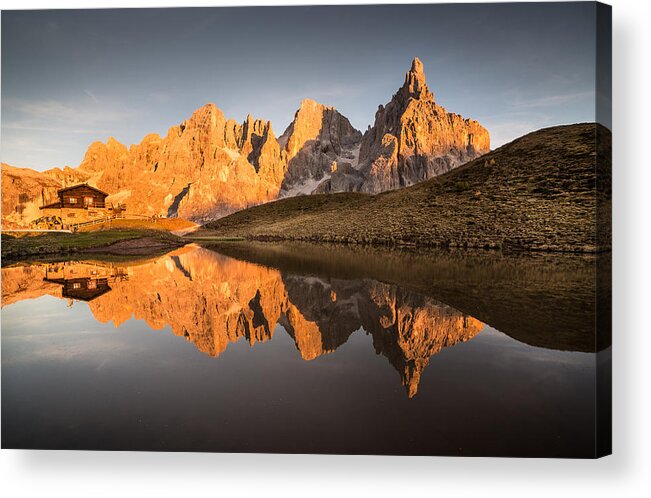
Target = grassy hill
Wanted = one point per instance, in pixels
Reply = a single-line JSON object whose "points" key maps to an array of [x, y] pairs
{"points": [[538, 192]]}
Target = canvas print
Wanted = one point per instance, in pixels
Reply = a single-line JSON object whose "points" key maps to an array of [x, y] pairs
{"points": [[378, 229]]}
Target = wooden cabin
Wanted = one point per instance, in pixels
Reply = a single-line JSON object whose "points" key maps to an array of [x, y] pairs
{"points": [[82, 196], [79, 204]]}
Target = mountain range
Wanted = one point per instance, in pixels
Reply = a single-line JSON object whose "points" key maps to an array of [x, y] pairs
{"points": [[210, 166]]}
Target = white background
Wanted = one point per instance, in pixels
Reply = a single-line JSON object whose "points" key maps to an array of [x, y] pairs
{"points": [[626, 473]]}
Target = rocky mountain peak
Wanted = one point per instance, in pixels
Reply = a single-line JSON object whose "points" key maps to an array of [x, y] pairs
{"points": [[113, 142], [317, 137], [206, 117], [309, 103], [414, 139], [417, 66], [415, 85]]}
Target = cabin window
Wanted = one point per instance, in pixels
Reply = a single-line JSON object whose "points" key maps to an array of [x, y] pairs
{"points": [[92, 284], [71, 215], [76, 285], [72, 200], [88, 201]]}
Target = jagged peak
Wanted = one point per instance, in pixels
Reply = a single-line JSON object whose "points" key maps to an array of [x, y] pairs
{"points": [[415, 85], [269, 130], [417, 66], [307, 102], [151, 137], [112, 141], [208, 109]]}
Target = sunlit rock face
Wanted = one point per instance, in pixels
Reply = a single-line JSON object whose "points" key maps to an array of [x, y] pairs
{"points": [[213, 301], [209, 166], [204, 168], [317, 141], [413, 139]]}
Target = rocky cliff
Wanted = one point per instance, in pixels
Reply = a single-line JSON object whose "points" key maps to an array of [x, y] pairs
{"points": [[413, 139], [317, 141], [204, 168]]}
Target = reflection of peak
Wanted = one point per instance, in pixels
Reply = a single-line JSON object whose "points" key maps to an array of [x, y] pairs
{"points": [[419, 331], [213, 301]]}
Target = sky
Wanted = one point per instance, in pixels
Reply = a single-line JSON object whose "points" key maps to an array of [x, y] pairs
{"points": [[72, 77]]}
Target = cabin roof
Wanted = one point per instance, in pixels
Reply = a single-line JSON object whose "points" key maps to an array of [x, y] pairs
{"points": [[85, 294], [79, 185]]}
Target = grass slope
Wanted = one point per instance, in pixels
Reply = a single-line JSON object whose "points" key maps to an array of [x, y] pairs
{"points": [[538, 192]]}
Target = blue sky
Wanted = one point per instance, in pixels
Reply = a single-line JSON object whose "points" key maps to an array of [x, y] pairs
{"points": [[71, 77]]}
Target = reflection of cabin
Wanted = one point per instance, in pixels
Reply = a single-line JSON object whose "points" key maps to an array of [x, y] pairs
{"points": [[83, 281], [78, 204], [85, 289]]}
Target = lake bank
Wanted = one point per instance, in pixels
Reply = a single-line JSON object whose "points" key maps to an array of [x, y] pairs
{"points": [[17, 246]]}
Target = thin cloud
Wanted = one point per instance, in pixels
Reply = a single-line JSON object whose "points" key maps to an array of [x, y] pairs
{"points": [[505, 129], [160, 97], [518, 101], [91, 95], [44, 111], [19, 126]]}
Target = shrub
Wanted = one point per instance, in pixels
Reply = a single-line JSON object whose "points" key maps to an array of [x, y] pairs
{"points": [[462, 186]]}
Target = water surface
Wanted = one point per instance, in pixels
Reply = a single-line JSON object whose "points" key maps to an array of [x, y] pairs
{"points": [[302, 349]]}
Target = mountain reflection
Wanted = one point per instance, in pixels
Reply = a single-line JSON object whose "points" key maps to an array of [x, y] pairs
{"points": [[213, 300]]}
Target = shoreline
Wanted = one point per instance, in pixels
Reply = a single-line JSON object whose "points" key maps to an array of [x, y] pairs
{"points": [[109, 242], [205, 237]]}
